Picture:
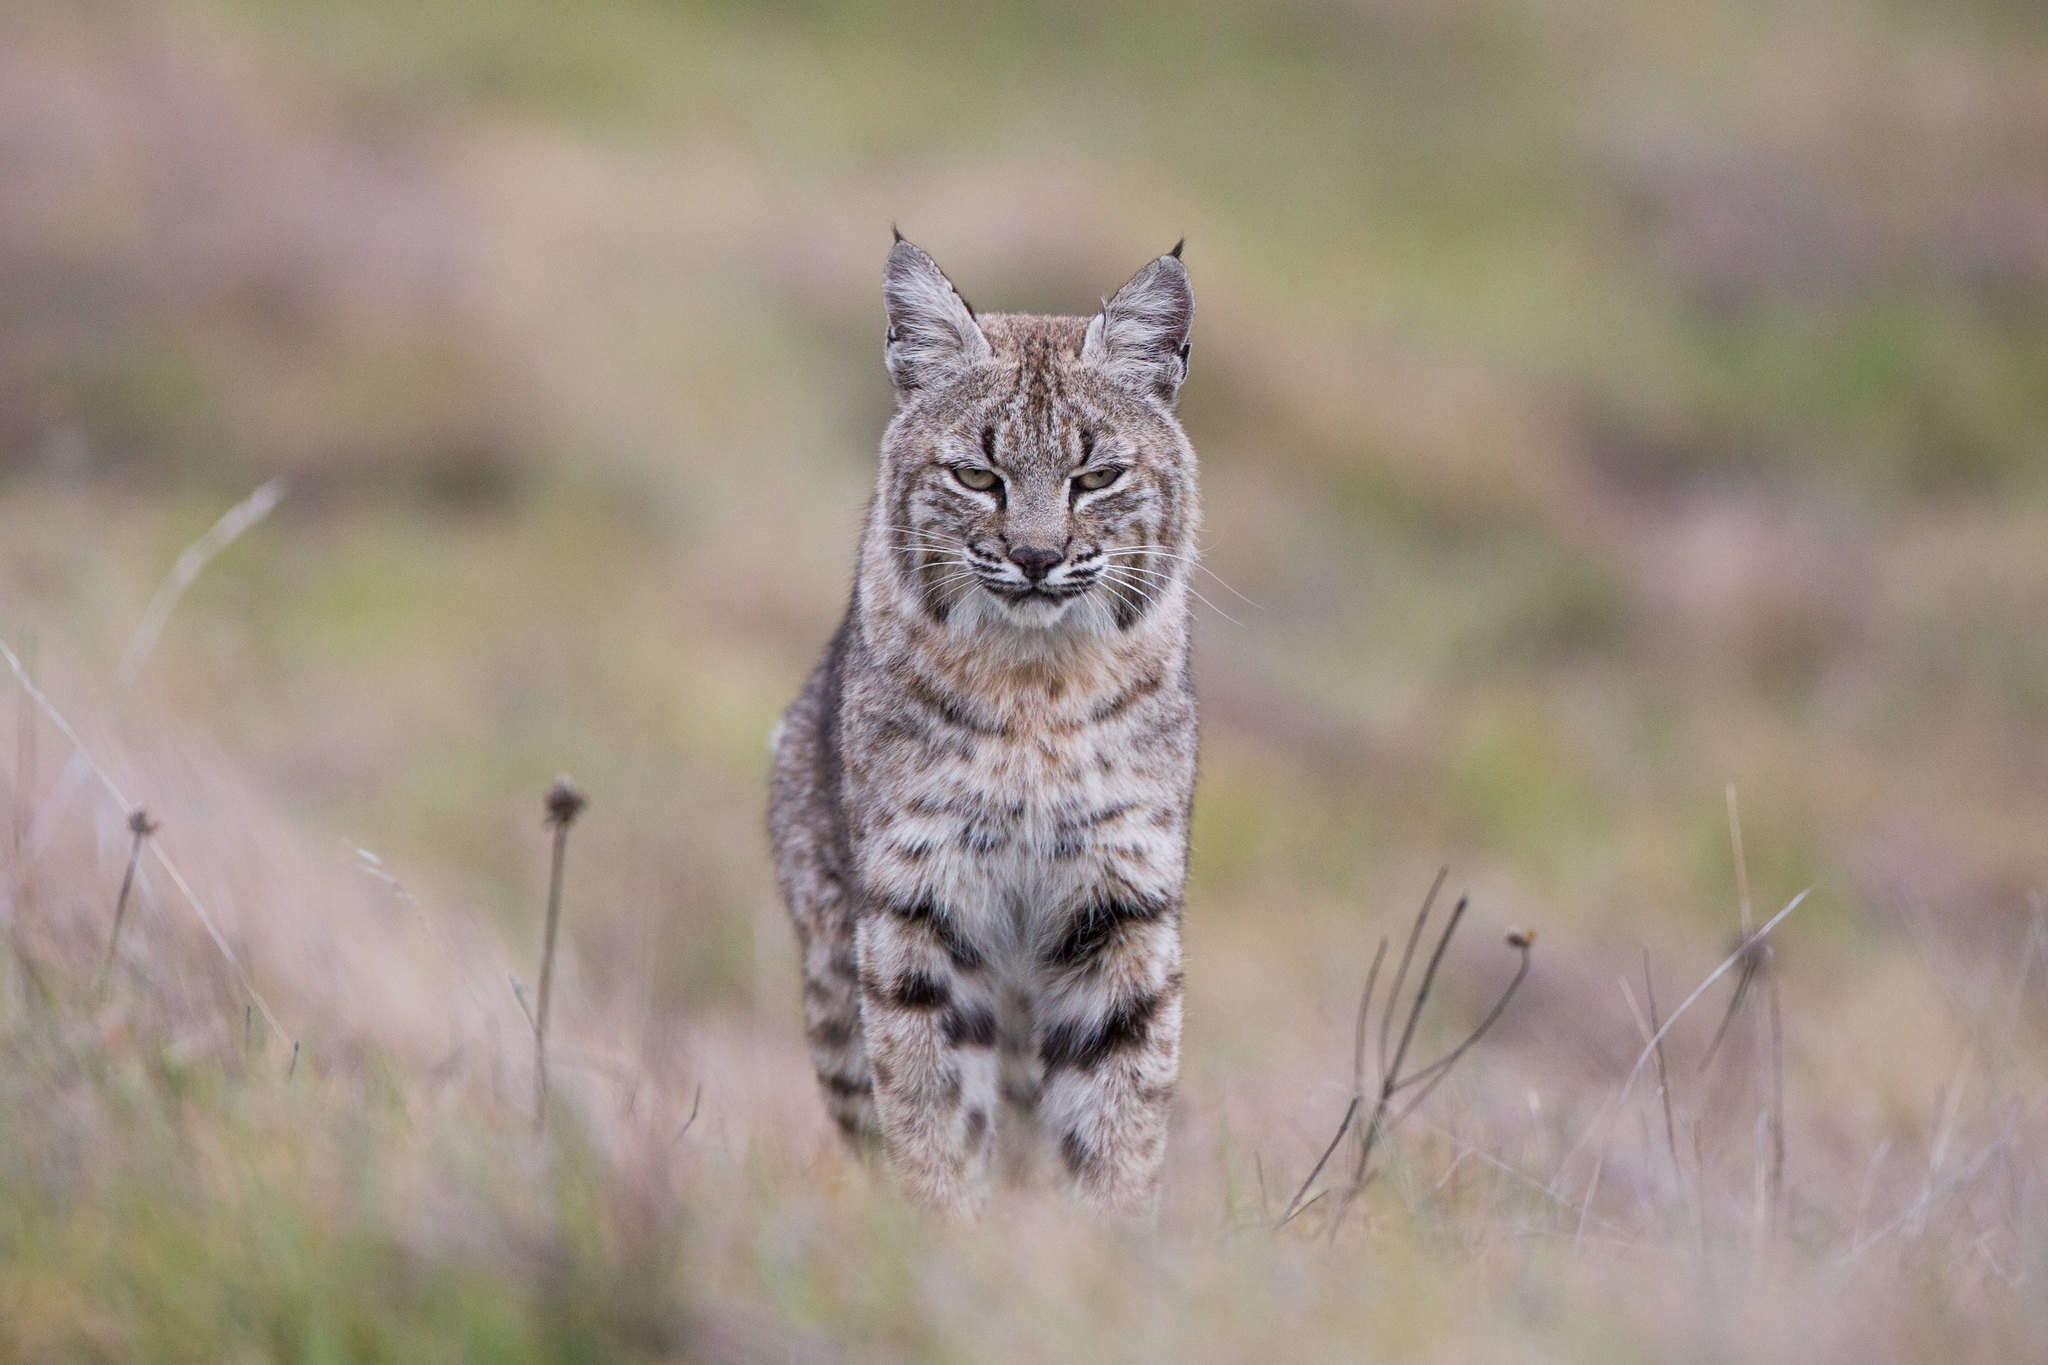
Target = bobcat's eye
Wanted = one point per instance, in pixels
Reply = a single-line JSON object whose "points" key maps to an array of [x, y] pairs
{"points": [[1093, 479], [972, 476]]}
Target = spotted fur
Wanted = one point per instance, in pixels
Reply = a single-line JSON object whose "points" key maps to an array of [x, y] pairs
{"points": [[980, 801]]}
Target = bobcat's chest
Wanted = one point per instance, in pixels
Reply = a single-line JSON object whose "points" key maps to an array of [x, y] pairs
{"points": [[1011, 815]]}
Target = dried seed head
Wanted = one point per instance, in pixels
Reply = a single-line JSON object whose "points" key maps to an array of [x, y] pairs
{"points": [[141, 825], [1521, 938], [565, 802]]}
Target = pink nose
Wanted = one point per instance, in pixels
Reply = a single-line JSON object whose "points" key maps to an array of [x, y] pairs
{"points": [[1034, 560]]}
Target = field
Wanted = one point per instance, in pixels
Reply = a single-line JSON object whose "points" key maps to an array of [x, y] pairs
{"points": [[1622, 425]]}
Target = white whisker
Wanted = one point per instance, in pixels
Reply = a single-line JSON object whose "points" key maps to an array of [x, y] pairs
{"points": [[1190, 560], [925, 533], [1124, 594], [1166, 580]]}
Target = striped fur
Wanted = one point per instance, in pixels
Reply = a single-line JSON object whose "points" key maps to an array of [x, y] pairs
{"points": [[980, 801]]}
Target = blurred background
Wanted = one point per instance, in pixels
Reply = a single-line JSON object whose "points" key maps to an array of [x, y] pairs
{"points": [[1600, 403]]}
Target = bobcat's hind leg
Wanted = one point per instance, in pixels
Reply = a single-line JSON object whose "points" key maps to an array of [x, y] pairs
{"points": [[809, 838], [832, 1023]]}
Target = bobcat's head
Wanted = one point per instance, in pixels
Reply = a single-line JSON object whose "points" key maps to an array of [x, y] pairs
{"points": [[1035, 475]]}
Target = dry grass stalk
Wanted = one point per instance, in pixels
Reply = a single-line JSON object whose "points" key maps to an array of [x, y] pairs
{"points": [[1393, 1057], [1600, 1120], [1678, 1172], [24, 761], [1757, 960], [564, 804], [24, 790], [83, 755], [191, 562], [1646, 1029], [1777, 1181], [1742, 900], [141, 826], [1663, 1071]]}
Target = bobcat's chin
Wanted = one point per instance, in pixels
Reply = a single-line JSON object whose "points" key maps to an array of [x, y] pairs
{"points": [[1073, 613], [1038, 610]]}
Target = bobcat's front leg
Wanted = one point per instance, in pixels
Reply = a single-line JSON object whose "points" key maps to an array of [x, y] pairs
{"points": [[928, 1013], [1109, 1039]]}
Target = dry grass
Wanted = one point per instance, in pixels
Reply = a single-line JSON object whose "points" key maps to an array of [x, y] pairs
{"points": [[387, 1190]]}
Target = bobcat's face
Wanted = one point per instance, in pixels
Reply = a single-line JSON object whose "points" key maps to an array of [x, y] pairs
{"points": [[1036, 475]]}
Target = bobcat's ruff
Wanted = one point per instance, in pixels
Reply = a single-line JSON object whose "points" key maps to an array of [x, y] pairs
{"points": [[980, 801]]}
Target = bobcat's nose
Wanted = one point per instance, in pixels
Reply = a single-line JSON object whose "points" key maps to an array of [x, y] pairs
{"points": [[1036, 561]]}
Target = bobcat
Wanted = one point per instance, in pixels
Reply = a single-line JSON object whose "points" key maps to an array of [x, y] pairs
{"points": [[979, 803]]}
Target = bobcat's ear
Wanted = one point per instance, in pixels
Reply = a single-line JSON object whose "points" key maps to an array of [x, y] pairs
{"points": [[1141, 334], [932, 332]]}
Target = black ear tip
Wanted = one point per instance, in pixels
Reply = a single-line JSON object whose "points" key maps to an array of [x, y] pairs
{"points": [[897, 233], [1175, 253]]}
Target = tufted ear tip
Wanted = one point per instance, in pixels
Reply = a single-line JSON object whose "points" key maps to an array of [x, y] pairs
{"points": [[932, 333], [1141, 334], [1175, 253], [897, 233]]}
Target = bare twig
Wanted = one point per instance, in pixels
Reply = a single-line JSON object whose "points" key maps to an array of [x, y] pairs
{"points": [[1393, 1080], [1372, 977], [564, 804], [1297, 1205], [1433, 1074], [141, 826], [1407, 956]]}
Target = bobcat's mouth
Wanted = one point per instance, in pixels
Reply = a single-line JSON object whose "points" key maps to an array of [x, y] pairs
{"points": [[1036, 592], [1040, 603], [1037, 606]]}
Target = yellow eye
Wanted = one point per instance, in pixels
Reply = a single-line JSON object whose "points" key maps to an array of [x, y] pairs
{"points": [[1096, 478], [975, 477]]}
